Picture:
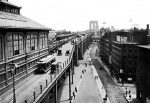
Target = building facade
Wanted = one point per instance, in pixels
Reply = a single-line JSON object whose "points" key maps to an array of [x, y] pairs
{"points": [[117, 52], [22, 41], [124, 60], [143, 74]]}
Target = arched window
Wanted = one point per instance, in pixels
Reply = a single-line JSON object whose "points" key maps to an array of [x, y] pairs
{"points": [[43, 40], [1, 52], [14, 44], [31, 43]]}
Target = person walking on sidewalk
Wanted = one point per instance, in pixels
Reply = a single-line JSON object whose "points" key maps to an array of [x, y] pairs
{"points": [[73, 95], [82, 72], [76, 89], [81, 77], [85, 65]]}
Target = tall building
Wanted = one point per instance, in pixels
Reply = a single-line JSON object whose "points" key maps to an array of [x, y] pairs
{"points": [[143, 74], [118, 50], [124, 60], [22, 41]]}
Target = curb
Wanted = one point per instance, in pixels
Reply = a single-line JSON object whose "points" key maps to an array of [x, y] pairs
{"points": [[101, 88]]}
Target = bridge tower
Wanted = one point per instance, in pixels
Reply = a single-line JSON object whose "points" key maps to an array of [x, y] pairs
{"points": [[93, 26]]}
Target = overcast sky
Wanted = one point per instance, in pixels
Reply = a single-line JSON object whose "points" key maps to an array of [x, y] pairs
{"points": [[75, 14]]}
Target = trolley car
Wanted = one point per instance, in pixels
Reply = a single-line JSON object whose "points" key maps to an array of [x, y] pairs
{"points": [[44, 64]]}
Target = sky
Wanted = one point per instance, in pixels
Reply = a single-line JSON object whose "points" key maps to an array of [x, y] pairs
{"points": [[74, 15]]}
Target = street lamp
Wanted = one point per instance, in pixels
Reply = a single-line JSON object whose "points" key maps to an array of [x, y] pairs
{"points": [[13, 66]]}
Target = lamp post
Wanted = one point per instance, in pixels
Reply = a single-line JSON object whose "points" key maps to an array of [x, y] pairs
{"points": [[13, 66]]}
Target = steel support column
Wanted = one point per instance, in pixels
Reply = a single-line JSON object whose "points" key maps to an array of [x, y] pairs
{"points": [[69, 84], [72, 69], [76, 55], [82, 49], [56, 93]]}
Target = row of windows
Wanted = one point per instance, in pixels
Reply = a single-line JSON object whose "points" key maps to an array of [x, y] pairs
{"points": [[15, 43], [9, 9]]}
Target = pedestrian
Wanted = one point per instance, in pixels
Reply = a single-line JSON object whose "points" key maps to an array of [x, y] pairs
{"points": [[130, 97], [73, 95], [85, 65], [129, 92], [82, 72], [76, 89], [81, 76], [126, 93]]}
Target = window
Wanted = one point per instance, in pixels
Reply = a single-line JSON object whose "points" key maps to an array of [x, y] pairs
{"points": [[1, 52], [15, 45], [43, 41], [31, 42]]}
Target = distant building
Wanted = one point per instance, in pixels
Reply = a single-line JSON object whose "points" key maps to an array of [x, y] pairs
{"points": [[22, 41], [143, 74], [52, 37], [135, 36]]}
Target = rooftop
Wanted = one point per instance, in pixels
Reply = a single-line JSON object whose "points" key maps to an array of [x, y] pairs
{"points": [[9, 20], [118, 42], [145, 46]]}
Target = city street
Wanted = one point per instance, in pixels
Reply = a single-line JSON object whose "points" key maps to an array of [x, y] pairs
{"points": [[114, 92], [88, 90]]}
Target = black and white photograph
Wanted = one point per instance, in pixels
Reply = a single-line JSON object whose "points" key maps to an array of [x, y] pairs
{"points": [[74, 51]]}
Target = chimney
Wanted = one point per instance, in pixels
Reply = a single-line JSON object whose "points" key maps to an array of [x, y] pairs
{"points": [[147, 27], [148, 34]]}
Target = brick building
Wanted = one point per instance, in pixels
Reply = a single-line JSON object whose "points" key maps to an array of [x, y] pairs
{"points": [[124, 60], [143, 74], [118, 50], [22, 41]]}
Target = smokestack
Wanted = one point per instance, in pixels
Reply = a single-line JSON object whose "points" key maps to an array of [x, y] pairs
{"points": [[147, 27], [148, 35]]}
